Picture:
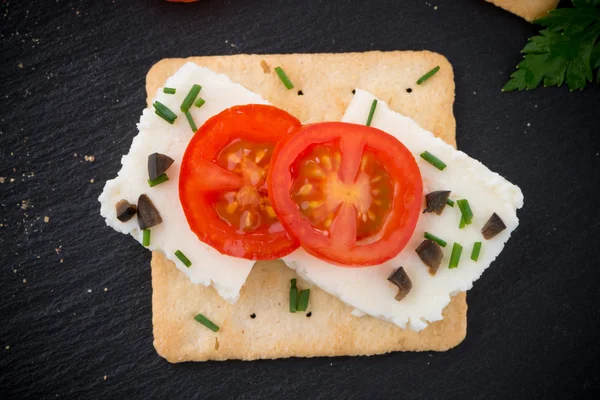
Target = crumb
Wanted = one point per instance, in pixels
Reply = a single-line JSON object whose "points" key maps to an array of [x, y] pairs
{"points": [[26, 204], [89, 158], [14, 271], [106, 289], [265, 67], [61, 260], [529, 124], [24, 280], [92, 180], [12, 180], [46, 219], [435, 8], [2, 179], [89, 290], [20, 65], [105, 377], [7, 347], [58, 249], [74, 154]]}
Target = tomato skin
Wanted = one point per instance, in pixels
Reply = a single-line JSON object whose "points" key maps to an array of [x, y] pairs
{"points": [[339, 246], [200, 177]]}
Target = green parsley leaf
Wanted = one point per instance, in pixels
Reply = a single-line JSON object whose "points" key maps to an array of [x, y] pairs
{"points": [[565, 52]]}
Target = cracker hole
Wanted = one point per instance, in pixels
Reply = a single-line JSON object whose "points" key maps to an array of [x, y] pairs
{"points": [[216, 343], [409, 90], [252, 315], [353, 91], [300, 93], [309, 314]]}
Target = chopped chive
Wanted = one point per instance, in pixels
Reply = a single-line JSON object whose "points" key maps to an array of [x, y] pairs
{"points": [[303, 300], [146, 238], [206, 322], [465, 210], [371, 112], [189, 99], [433, 160], [436, 239], [293, 296], [190, 120], [450, 202], [159, 179], [186, 261], [169, 90], [455, 256], [462, 222], [284, 78], [476, 251], [164, 112], [200, 102], [428, 75]]}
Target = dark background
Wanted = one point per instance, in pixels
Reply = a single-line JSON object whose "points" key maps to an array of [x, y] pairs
{"points": [[75, 295]]}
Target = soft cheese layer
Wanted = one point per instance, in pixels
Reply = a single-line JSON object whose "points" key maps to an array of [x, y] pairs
{"points": [[227, 274], [367, 289]]}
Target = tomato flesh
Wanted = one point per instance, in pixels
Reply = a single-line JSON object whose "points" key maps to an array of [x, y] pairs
{"points": [[351, 194], [248, 208], [319, 191], [222, 184]]}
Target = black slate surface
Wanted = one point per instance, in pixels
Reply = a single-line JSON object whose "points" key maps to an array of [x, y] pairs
{"points": [[75, 296]]}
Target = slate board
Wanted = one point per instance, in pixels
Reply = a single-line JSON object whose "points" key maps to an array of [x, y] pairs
{"points": [[72, 77]]}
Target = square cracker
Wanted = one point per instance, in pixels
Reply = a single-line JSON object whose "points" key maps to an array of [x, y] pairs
{"points": [[528, 9], [326, 82]]}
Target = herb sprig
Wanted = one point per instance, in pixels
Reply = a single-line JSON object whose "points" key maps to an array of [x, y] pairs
{"points": [[567, 51]]}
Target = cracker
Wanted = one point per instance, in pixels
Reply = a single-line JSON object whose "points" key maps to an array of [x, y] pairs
{"points": [[528, 9], [326, 82]]}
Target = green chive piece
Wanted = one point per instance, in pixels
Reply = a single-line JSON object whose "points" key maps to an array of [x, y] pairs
{"points": [[433, 160], [462, 222], [206, 322], [465, 210], [476, 251], [293, 296], [455, 256], [169, 90], [164, 112], [436, 239], [303, 300], [200, 102], [186, 261], [371, 112], [159, 179], [284, 78], [146, 238], [428, 75], [450, 202], [189, 99], [190, 120]]}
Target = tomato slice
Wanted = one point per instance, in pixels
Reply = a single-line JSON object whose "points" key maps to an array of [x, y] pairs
{"points": [[222, 184], [351, 194]]}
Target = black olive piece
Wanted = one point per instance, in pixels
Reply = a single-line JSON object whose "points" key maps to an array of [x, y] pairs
{"points": [[125, 210], [436, 201], [158, 164], [431, 254], [492, 227], [400, 279], [147, 214]]}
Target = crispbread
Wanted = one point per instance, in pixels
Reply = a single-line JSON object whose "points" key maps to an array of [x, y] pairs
{"points": [[326, 82], [528, 9]]}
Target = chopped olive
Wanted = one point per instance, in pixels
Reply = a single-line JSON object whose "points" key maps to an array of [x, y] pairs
{"points": [[125, 210], [158, 165], [431, 254], [436, 201], [147, 214], [401, 279], [493, 226]]}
